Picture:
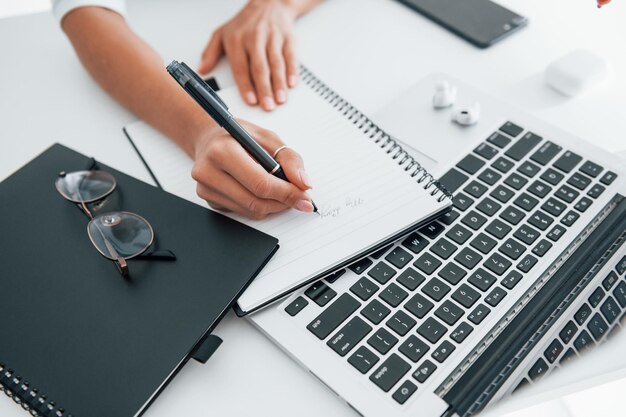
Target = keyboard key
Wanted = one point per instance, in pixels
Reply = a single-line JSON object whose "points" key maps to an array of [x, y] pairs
{"points": [[553, 351], [596, 191], [610, 310], [498, 229], [419, 306], [427, 263], [435, 289], [608, 178], [432, 230], [461, 332], [526, 234], [444, 248], [566, 194], [552, 177], [363, 359], [453, 179], [523, 146], [499, 140], [382, 272], [570, 218], [540, 220], [583, 204], [449, 312], [609, 281], [443, 351], [296, 306], [401, 323], [415, 243], [523, 383], [488, 206], [526, 201], [475, 189], [393, 295], [466, 296], [489, 176], [471, 164], [542, 247], [568, 332], [620, 293], [364, 288], [502, 164], [320, 293], [334, 276], [497, 263], [474, 220], [468, 258], [404, 392], [398, 257], [360, 266], [579, 181], [414, 348], [390, 372], [567, 161], [582, 314], [452, 273], [511, 129], [349, 336], [545, 153], [333, 316], [512, 249], [556, 233], [597, 326], [486, 151], [482, 279], [424, 371], [539, 188], [539, 369], [478, 314], [583, 342], [621, 266], [511, 279], [554, 207], [483, 243], [529, 169], [380, 252], [527, 263], [592, 169], [462, 201], [569, 355], [411, 279], [512, 215], [502, 193], [596, 297], [459, 234], [449, 217], [432, 330], [382, 341], [375, 311], [516, 181]]}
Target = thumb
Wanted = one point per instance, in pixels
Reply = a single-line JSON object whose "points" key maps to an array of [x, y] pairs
{"points": [[212, 52], [293, 166]]}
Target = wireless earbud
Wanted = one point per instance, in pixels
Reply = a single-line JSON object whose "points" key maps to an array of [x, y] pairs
{"points": [[445, 95], [466, 116]]}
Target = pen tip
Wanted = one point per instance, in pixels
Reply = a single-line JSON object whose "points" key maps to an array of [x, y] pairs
{"points": [[315, 210]]}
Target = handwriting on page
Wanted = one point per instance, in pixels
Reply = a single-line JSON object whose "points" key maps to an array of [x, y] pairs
{"points": [[336, 210]]}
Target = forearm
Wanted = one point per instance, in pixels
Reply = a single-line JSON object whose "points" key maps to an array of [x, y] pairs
{"points": [[132, 72], [300, 7]]}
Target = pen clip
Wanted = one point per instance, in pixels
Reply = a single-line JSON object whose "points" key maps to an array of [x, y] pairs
{"points": [[196, 77]]}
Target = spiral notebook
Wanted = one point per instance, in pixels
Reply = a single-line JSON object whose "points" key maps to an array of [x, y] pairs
{"points": [[369, 190]]}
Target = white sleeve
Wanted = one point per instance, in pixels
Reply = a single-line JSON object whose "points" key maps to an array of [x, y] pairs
{"points": [[61, 7]]}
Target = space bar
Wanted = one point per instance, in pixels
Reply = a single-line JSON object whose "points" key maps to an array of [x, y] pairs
{"points": [[333, 316]]}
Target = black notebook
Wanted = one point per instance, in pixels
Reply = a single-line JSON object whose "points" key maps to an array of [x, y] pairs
{"points": [[75, 337]]}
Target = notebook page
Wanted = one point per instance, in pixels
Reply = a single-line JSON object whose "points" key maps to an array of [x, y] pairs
{"points": [[363, 196]]}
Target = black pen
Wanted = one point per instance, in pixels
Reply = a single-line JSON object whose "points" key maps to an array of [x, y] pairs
{"points": [[208, 99]]}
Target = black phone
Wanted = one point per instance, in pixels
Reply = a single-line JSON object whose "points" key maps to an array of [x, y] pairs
{"points": [[481, 22]]}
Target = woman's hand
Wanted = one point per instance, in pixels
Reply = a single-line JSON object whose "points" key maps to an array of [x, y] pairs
{"points": [[259, 44], [230, 180]]}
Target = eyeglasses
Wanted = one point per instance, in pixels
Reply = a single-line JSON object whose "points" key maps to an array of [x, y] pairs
{"points": [[117, 235]]}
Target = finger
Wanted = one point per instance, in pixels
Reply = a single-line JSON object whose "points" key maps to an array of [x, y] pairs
{"points": [[277, 68], [241, 70], [211, 53], [293, 71], [293, 166], [261, 73]]}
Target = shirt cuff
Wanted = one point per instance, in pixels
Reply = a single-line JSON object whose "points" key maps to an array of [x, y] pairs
{"points": [[61, 7]]}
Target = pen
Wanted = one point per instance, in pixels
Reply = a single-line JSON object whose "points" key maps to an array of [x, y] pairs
{"points": [[208, 99]]}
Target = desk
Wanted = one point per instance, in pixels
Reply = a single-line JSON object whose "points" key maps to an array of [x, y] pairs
{"points": [[385, 44]]}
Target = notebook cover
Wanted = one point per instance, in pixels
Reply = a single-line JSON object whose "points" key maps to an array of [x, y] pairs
{"points": [[94, 343]]}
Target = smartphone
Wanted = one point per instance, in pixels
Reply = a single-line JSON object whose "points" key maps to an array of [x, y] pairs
{"points": [[481, 22]]}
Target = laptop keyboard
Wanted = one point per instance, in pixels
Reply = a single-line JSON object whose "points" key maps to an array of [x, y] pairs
{"points": [[418, 299]]}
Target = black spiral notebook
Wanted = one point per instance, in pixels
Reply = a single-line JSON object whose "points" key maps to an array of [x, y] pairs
{"points": [[76, 339]]}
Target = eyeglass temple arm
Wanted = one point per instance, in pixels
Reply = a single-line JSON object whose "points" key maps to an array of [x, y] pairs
{"points": [[120, 262], [158, 255]]}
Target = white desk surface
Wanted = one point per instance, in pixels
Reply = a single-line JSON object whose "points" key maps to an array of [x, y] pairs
{"points": [[369, 51]]}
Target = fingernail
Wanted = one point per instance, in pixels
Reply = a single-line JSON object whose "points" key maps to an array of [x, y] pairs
{"points": [[268, 103], [305, 206], [281, 96], [251, 98], [293, 81], [305, 179]]}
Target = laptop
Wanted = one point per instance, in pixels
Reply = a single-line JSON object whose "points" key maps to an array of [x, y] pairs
{"points": [[522, 277]]}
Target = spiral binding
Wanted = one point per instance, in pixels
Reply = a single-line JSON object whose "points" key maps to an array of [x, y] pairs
{"points": [[387, 143], [20, 391]]}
